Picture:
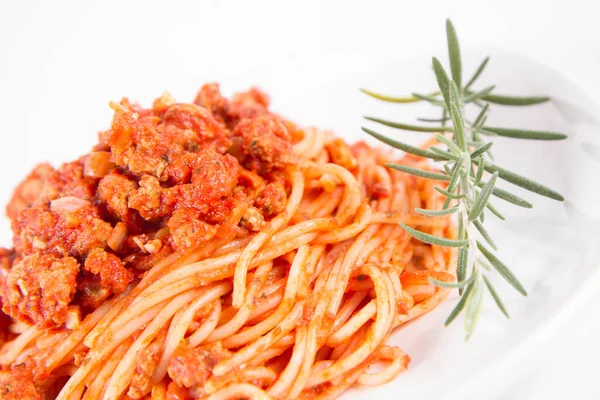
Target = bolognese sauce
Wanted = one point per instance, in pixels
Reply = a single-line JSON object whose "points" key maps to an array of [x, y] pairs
{"points": [[214, 250], [159, 180]]}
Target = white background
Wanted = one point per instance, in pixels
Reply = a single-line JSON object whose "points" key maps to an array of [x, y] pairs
{"points": [[61, 62]]}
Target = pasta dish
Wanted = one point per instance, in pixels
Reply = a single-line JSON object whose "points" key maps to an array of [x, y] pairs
{"points": [[215, 250]]}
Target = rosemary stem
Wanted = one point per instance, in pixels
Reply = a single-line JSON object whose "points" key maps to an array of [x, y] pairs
{"points": [[468, 190]]}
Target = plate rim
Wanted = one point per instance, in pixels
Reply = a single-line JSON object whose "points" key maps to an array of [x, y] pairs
{"points": [[518, 358]]}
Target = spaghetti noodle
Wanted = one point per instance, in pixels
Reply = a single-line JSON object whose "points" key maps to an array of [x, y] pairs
{"points": [[256, 260]]}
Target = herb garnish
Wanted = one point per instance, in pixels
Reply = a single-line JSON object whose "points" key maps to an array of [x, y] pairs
{"points": [[466, 157]]}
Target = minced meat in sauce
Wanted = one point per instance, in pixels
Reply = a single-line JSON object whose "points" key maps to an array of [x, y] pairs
{"points": [[160, 180]]}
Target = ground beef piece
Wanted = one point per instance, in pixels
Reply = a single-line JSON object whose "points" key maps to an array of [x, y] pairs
{"points": [[191, 367], [180, 169], [115, 190], [147, 199], [220, 210], [28, 191], [113, 275], [215, 175], [39, 289], [266, 143], [147, 360], [252, 220], [72, 227], [248, 104], [188, 230], [208, 132], [90, 292], [33, 229], [133, 141], [272, 199], [210, 98], [68, 180], [17, 384]]}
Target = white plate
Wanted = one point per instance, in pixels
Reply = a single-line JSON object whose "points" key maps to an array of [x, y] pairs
{"points": [[552, 248], [556, 263]]}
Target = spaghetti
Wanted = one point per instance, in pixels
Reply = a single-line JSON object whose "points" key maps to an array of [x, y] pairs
{"points": [[258, 261]]}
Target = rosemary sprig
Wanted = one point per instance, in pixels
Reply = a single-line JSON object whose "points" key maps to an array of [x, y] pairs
{"points": [[466, 159]]}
